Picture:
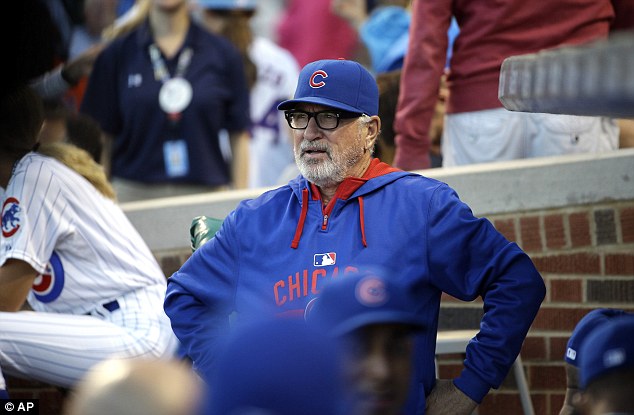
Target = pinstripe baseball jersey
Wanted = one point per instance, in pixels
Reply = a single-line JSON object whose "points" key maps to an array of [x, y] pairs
{"points": [[81, 243]]}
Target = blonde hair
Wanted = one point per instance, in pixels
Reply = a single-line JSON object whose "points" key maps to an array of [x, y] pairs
{"points": [[129, 21], [80, 161]]}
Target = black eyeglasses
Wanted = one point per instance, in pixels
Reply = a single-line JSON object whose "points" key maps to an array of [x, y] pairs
{"points": [[326, 120]]}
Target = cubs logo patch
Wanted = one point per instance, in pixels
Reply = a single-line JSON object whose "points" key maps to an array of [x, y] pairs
{"points": [[371, 292], [317, 79], [48, 286], [321, 260], [10, 217]]}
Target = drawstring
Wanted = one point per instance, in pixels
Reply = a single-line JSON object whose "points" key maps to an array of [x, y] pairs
{"points": [[302, 219], [362, 222]]}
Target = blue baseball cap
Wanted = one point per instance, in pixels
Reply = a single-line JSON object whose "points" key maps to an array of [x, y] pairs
{"points": [[361, 299], [584, 327], [278, 367], [607, 348], [336, 83], [227, 4]]}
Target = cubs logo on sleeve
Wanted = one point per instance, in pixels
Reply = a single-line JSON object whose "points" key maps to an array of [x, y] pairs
{"points": [[10, 217], [48, 286]]}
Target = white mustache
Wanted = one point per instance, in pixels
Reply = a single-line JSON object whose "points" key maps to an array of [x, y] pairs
{"points": [[308, 146]]}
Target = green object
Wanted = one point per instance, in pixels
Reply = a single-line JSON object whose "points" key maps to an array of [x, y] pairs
{"points": [[202, 229]]}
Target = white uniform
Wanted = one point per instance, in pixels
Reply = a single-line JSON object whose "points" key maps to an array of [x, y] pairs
{"points": [[271, 149], [100, 291]]}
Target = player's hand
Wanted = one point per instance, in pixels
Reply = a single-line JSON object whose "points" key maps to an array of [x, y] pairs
{"points": [[447, 399]]}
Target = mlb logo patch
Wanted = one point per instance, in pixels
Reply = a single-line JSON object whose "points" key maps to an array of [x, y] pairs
{"points": [[321, 260]]}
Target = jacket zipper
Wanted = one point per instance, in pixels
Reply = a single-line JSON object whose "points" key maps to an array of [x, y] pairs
{"points": [[324, 223]]}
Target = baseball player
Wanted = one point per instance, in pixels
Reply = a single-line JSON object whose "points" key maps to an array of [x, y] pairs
{"points": [[93, 285]]}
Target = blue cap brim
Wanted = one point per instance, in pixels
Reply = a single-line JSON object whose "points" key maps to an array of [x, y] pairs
{"points": [[292, 103], [377, 317]]}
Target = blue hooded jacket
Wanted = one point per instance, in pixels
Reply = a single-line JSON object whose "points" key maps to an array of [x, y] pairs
{"points": [[274, 253]]}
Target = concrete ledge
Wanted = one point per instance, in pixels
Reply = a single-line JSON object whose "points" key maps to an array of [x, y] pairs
{"points": [[489, 189]]}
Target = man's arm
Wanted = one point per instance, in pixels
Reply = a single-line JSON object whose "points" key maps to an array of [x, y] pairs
{"points": [[16, 279], [420, 81], [477, 261], [200, 297], [57, 81]]}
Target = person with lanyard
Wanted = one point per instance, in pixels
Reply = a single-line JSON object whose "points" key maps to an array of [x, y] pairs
{"points": [[179, 93]]}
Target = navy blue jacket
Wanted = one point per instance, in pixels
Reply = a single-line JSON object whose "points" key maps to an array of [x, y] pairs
{"points": [[122, 95]]}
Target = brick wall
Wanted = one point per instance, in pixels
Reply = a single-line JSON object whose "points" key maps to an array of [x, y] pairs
{"points": [[586, 257]]}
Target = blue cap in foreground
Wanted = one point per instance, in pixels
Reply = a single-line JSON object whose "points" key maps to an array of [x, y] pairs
{"points": [[336, 83], [584, 327], [278, 367], [369, 297], [607, 348]]}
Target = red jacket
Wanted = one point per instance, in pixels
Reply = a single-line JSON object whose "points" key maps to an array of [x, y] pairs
{"points": [[490, 31]]}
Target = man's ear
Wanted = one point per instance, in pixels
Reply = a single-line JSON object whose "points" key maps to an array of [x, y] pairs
{"points": [[374, 128]]}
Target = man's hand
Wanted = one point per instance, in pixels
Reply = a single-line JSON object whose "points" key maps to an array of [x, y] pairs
{"points": [[446, 399]]}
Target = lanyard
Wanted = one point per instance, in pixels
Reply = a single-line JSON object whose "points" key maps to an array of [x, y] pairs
{"points": [[160, 69]]}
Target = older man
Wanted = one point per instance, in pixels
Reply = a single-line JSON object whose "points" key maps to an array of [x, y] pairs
{"points": [[273, 254]]}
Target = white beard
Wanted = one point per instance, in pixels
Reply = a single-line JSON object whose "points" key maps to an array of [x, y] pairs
{"points": [[335, 168]]}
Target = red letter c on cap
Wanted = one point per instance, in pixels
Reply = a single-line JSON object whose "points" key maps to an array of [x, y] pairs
{"points": [[315, 74]]}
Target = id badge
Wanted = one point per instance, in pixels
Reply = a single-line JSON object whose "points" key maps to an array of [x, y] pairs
{"points": [[176, 158]]}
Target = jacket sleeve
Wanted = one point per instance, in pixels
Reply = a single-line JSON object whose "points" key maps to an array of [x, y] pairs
{"points": [[200, 297], [469, 258], [420, 81]]}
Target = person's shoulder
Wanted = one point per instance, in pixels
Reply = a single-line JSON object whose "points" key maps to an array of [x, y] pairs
{"points": [[270, 199], [418, 188], [123, 45], [34, 162], [415, 180], [207, 40], [33, 168]]}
